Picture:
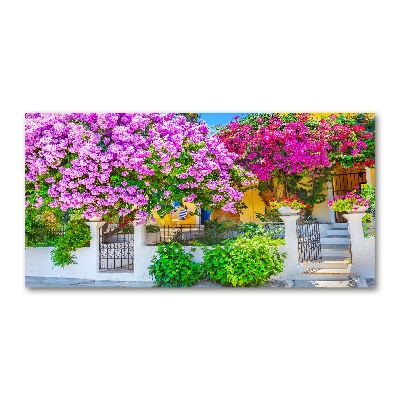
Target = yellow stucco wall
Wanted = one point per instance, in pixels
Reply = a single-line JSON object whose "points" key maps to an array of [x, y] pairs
{"points": [[321, 211], [168, 219], [254, 204]]}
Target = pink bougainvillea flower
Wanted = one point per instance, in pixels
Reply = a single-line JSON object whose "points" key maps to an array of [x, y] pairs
{"points": [[79, 159]]}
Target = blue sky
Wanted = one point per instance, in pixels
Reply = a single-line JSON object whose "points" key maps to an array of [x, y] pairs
{"points": [[213, 119]]}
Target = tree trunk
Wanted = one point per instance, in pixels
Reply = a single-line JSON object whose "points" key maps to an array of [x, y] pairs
{"points": [[110, 233]]}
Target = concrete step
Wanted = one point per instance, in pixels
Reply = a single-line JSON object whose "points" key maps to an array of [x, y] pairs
{"points": [[327, 264], [340, 225], [335, 250], [325, 277], [337, 232], [335, 258], [329, 269], [324, 284], [335, 240]]}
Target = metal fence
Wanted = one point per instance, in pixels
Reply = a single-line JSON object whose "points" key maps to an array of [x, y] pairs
{"points": [[275, 229], [45, 229], [174, 232], [43, 237], [212, 234]]}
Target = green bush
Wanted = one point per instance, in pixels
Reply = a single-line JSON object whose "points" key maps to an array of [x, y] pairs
{"points": [[245, 261], [250, 229], [216, 232], [173, 267], [42, 227], [75, 236]]}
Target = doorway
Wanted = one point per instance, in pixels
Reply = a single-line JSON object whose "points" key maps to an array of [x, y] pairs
{"points": [[346, 181]]}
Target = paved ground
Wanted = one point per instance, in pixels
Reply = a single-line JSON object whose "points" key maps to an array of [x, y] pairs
{"points": [[39, 282]]}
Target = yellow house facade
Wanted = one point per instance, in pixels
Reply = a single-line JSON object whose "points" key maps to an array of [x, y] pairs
{"points": [[344, 181]]}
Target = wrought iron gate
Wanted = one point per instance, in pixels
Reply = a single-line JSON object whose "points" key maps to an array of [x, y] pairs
{"points": [[116, 248], [309, 241]]}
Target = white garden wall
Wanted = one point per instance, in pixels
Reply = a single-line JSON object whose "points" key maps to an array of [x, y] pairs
{"points": [[38, 260], [362, 248]]}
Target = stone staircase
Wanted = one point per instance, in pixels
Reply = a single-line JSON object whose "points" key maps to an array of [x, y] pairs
{"points": [[334, 269]]}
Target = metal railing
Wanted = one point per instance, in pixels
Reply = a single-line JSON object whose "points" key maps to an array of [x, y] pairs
{"points": [[180, 232], [185, 233], [275, 229], [43, 237]]}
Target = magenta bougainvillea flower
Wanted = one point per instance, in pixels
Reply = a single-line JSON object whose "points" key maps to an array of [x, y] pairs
{"points": [[288, 144], [128, 164]]}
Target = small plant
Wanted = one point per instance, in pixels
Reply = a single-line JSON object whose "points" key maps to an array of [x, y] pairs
{"points": [[349, 201], [244, 261], [173, 267], [292, 202], [152, 228]]}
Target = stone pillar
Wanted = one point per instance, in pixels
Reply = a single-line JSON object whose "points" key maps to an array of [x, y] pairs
{"points": [[362, 249], [292, 268], [91, 256]]}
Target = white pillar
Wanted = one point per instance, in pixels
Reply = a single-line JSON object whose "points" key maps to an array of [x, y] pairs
{"points": [[362, 249], [368, 175], [142, 254], [330, 197], [292, 268], [139, 236], [91, 256]]}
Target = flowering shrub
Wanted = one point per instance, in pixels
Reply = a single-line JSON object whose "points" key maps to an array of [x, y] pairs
{"points": [[269, 144], [287, 148], [293, 202], [127, 165], [349, 201]]}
